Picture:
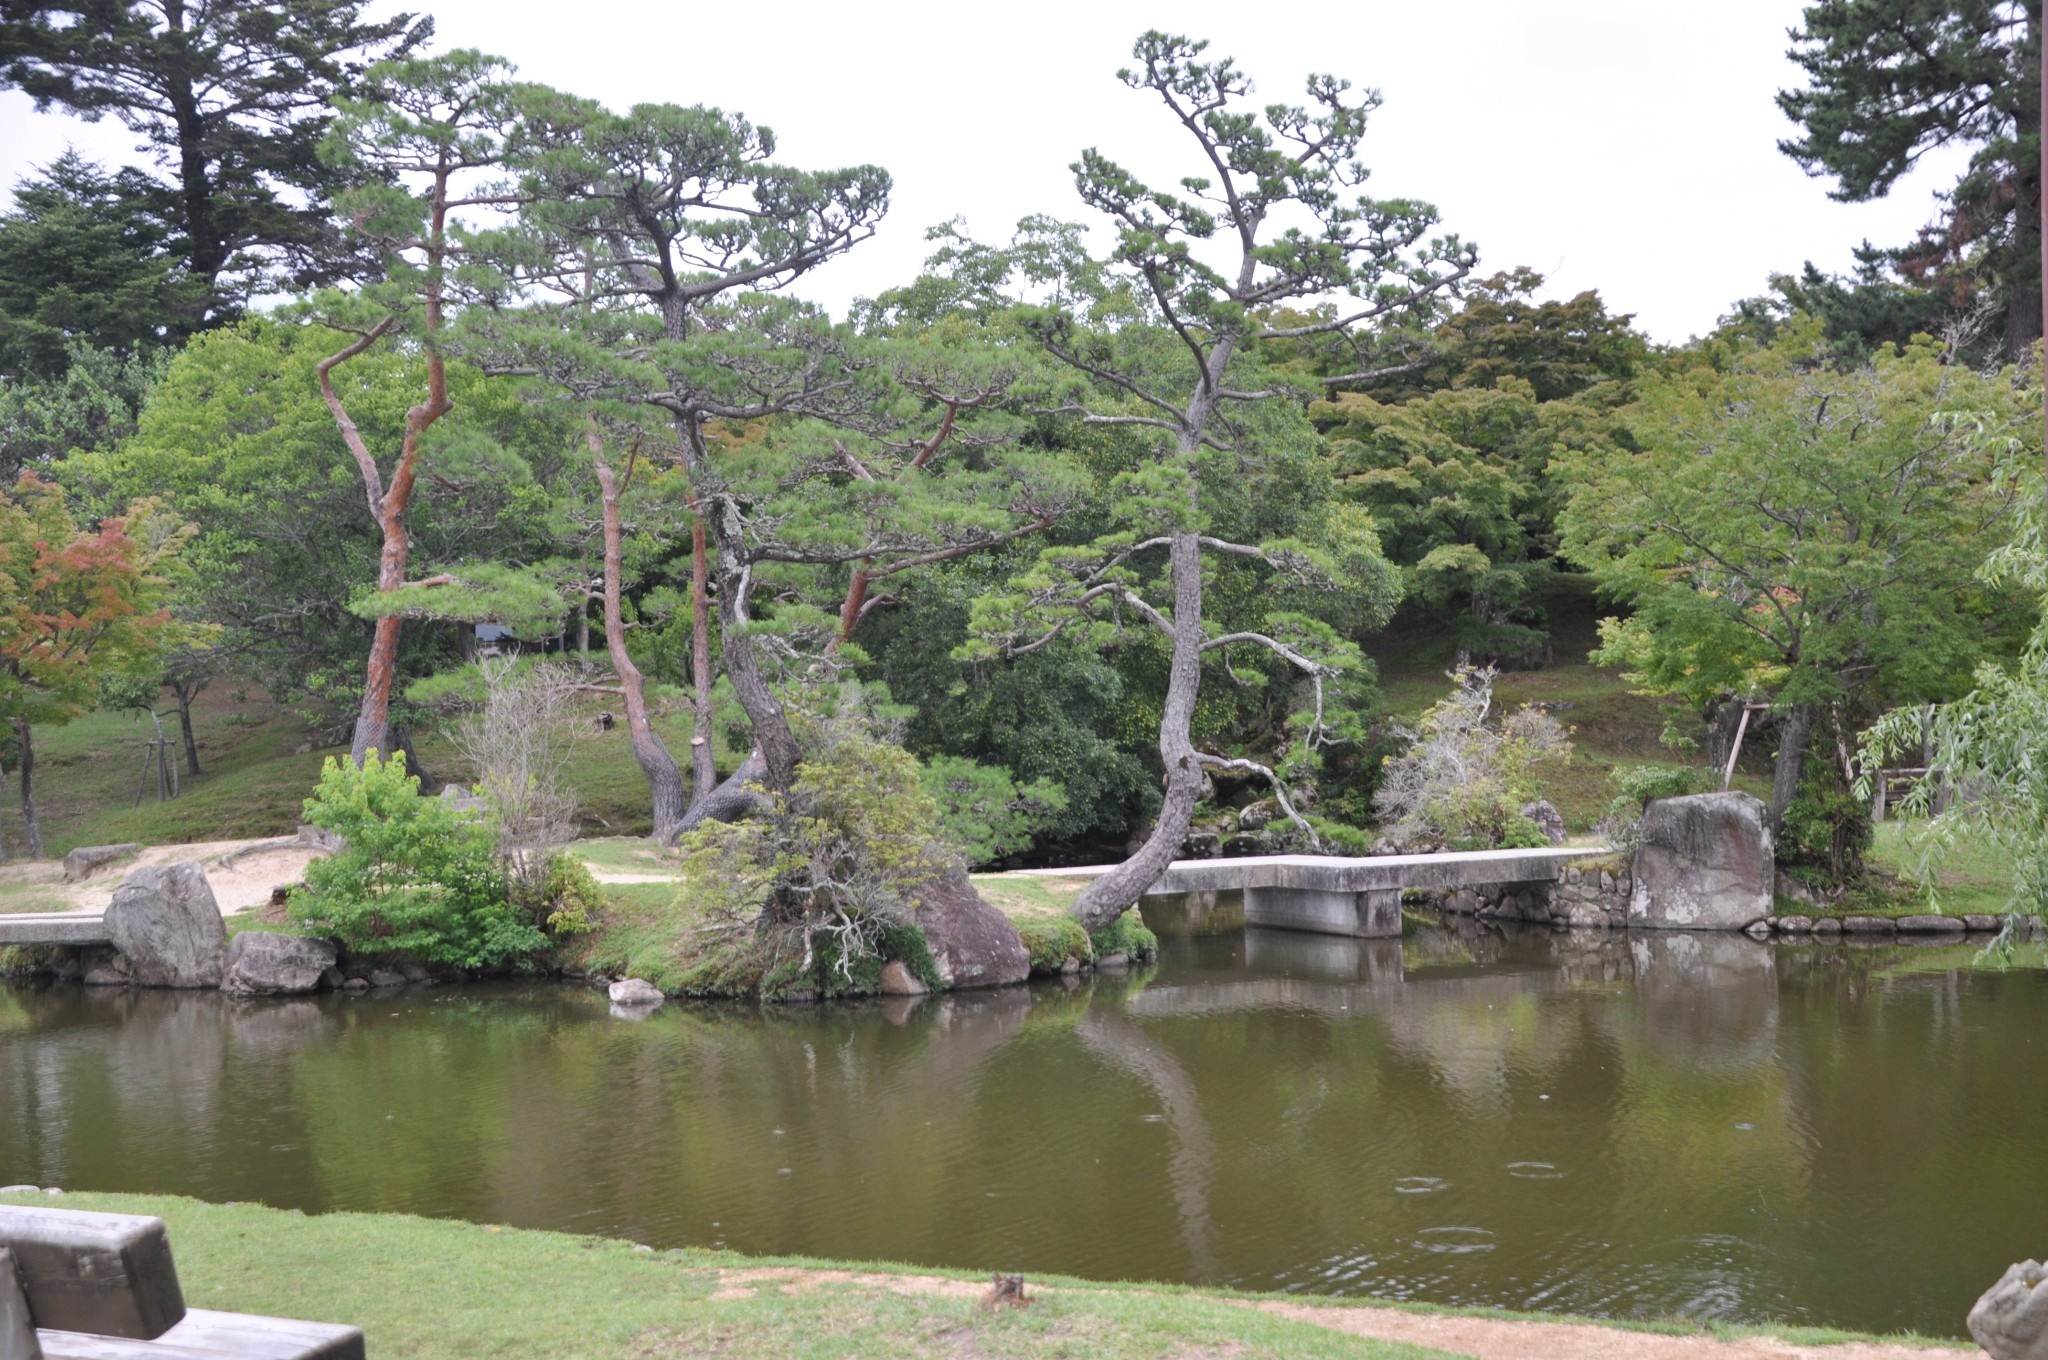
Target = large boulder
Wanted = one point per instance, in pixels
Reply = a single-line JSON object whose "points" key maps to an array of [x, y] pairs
{"points": [[2011, 1320], [83, 862], [164, 921], [973, 944], [1548, 820], [262, 964], [1703, 863]]}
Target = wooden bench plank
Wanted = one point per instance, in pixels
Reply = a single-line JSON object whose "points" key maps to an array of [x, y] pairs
{"points": [[17, 1330], [209, 1335], [105, 1274], [266, 1338]]}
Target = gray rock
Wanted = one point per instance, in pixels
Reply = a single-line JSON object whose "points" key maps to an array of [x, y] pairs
{"points": [[332, 978], [81, 863], [973, 944], [107, 974], [262, 964], [1116, 963], [1790, 889], [1795, 925], [1070, 966], [898, 980], [1869, 925], [462, 800], [2011, 1320], [1548, 820], [1981, 921], [356, 985], [635, 992], [384, 977], [1932, 925], [1827, 925], [164, 921], [20, 1190], [1757, 930], [416, 972], [1702, 863], [322, 840]]}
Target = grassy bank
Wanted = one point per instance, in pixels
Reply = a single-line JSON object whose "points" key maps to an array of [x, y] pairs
{"points": [[425, 1289], [432, 1289]]}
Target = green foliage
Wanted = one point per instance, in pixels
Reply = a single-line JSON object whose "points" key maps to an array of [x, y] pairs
{"points": [[1826, 827], [988, 813], [1792, 532], [1988, 741], [572, 897], [231, 97], [839, 860], [416, 880], [1052, 940], [85, 263], [1888, 81], [1127, 935]]}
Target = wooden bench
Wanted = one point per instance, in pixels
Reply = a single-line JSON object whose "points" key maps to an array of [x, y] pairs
{"points": [[86, 1286]]}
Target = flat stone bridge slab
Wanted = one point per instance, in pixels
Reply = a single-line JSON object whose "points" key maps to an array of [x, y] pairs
{"points": [[54, 927], [1332, 895]]}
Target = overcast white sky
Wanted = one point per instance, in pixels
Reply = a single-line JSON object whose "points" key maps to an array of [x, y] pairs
{"points": [[1627, 146]]}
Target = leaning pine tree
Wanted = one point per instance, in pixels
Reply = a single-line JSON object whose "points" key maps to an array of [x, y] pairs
{"points": [[1266, 228]]}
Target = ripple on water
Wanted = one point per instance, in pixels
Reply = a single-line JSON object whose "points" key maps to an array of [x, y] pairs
{"points": [[1535, 1171], [1420, 1185], [1454, 1241]]}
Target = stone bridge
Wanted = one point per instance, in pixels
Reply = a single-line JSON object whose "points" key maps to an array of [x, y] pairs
{"points": [[1337, 896]]}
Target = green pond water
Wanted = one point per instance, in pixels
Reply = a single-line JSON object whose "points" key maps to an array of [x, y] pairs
{"points": [[1632, 1125]]}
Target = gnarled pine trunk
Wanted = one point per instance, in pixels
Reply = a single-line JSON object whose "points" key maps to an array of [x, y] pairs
{"points": [[664, 779], [31, 824]]}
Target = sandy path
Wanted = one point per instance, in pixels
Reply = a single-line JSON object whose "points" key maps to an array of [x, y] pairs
{"points": [[1501, 1339], [1479, 1338], [244, 887]]}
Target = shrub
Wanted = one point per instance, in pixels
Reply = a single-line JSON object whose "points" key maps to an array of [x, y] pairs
{"points": [[1052, 940], [1127, 934], [828, 874], [1463, 780], [518, 737], [1827, 828], [417, 879], [988, 813]]}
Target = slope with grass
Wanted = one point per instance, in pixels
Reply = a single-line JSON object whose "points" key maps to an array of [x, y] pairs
{"points": [[425, 1289]]}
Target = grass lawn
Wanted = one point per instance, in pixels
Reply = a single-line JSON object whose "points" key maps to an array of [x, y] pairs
{"points": [[1611, 727], [425, 1289], [1968, 878]]}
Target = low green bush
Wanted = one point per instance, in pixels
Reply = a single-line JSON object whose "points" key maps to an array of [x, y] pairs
{"points": [[1052, 940], [1127, 934], [1638, 786], [416, 880]]}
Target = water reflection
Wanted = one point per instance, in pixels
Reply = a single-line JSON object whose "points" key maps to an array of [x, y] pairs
{"points": [[1604, 1123]]}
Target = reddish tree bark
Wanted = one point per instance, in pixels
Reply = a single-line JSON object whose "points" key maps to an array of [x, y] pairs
{"points": [[664, 779]]}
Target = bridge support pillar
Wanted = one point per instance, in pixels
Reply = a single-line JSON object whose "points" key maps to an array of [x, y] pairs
{"points": [[1368, 915]]}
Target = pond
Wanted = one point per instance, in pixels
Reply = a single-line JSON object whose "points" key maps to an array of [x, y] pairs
{"points": [[1625, 1125]]}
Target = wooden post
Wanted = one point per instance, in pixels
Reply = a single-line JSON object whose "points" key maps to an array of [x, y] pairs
{"points": [[1735, 747]]}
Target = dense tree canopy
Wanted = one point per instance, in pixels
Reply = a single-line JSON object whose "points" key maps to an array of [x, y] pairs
{"points": [[1890, 81]]}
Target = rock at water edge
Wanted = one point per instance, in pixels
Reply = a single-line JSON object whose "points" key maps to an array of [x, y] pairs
{"points": [[263, 964], [1703, 862], [164, 921], [2011, 1320], [898, 980], [973, 944], [635, 992]]}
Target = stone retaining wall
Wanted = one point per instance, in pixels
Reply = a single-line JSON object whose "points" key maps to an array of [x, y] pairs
{"points": [[1589, 896]]}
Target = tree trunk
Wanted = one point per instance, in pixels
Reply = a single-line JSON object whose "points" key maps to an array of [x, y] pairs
{"points": [[1721, 726], [583, 627], [185, 696], [737, 796], [703, 764], [663, 778], [2023, 319], [1108, 897], [1795, 730], [29, 820]]}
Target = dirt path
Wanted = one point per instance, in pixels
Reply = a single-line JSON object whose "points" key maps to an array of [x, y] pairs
{"points": [[1502, 1339], [243, 887], [1479, 1338]]}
